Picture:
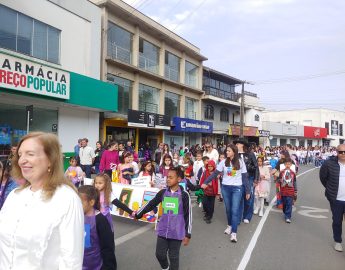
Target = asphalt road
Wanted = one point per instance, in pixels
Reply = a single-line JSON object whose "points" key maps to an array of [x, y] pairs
{"points": [[304, 244]]}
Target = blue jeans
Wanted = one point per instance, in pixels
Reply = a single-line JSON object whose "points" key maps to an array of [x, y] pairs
{"points": [[338, 210], [247, 206], [232, 198], [287, 206], [87, 170]]}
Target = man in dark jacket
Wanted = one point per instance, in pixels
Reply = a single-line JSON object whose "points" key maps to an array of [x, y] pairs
{"points": [[332, 176]]}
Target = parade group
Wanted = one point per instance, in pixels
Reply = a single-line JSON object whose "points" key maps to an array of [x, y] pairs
{"points": [[239, 175]]}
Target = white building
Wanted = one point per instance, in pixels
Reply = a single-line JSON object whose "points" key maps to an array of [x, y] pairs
{"points": [[51, 40], [332, 120]]}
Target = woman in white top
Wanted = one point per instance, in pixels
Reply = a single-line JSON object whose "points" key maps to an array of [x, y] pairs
{"points": [[234, 174], [41, 223]]}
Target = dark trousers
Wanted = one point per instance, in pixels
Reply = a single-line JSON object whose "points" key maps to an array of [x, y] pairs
{"points": [[172, 248], [87, 170], [338, 211], [247, 206], [208, 204], [287, 206]]}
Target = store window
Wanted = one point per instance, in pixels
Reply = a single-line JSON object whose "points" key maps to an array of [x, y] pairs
{"points": [[26, 35], [191, 74], [148, 98], [124, 92], [148, 56], [119, 44], [172, 104], [13, 124], [172, 67], [209, 112], [191, 108], [224, 115]]}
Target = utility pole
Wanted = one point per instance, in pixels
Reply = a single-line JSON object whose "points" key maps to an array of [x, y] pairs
{"points": [[242, 111]]}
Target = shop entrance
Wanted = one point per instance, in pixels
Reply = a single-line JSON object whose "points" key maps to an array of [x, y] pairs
{"points": [[150, 136]]}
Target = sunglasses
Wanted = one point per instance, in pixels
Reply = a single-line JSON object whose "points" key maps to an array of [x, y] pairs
{"points": [[341, 152]]}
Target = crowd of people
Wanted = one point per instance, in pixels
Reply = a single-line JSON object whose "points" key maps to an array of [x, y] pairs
{"points": [[238, 175]]}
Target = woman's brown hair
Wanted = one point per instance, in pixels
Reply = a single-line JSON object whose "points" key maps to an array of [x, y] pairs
{"points": [[52, 149], [107, 186], [235, 161]]}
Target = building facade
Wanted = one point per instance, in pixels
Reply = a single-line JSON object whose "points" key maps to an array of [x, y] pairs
{"points": [[50, 69], [320, 126], [159, 76], [221, 105]]}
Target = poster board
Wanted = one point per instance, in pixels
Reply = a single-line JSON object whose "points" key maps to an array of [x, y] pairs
{"points": [[143, 181], [134, 197]]}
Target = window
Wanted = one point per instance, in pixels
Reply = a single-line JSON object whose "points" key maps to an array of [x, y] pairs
{"points": [[124, 92], [119, 43], [148, 56], [26, 35], [148, 98], [209, 112], [224, 115], [172, 67], [257, 118], [327, 126], [340, 129], [191, 74], [190, 108], [172, 104]]}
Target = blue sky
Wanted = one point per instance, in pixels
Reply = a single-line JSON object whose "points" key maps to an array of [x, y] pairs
{"points": [[266, 40]]}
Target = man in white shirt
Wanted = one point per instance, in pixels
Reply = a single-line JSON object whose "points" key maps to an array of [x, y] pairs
{"points": [[332, 176], [87, 156]]}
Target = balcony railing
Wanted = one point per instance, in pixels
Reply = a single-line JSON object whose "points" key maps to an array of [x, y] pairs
{"points": [[148, 107], [171, 74], [119, 53], [222, 94], [148, 64], [190, 114], [191, 80]]}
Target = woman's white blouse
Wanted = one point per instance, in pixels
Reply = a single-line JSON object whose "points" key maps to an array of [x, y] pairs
{"points": [[42, 235]]}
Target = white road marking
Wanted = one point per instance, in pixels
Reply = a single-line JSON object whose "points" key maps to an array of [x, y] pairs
{"points": [[310, 210], [252, 243], [124, 238]]}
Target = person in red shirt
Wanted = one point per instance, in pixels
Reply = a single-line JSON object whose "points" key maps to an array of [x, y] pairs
{"points": [[288, 188]]}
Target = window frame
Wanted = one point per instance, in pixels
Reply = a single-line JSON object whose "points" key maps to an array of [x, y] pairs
{"points": [[209, 112]]}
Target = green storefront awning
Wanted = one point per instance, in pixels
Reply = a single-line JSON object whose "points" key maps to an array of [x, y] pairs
{"points": [[89, 92]]}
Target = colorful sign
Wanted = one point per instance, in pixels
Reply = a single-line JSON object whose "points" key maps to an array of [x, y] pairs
{"points": [[25, 76], [191, 125], [315, 132], [247, 131], [134, 197]]}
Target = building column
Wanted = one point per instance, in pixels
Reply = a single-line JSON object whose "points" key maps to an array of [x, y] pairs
{"points": [[200, 76], [182, 68], [135, 92], [161, 109], [135, 47], [183, 103], [162, 59]]}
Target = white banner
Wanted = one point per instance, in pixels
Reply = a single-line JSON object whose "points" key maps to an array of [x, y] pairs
{"points": [[134, 197], [143, 181]]}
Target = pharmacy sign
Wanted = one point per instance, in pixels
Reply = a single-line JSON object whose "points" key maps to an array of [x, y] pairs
{"points": [[26, 76]]}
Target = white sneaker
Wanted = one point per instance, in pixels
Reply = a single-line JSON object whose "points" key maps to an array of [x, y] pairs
{"points": [[338, 247], [246, 221], [233, 237], [288, 220], [256, 211], [261, 214], [200, 204], [227, 230]]}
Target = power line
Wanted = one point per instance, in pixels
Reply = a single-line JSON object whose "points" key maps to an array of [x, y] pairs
{"points": [[189, 15], [299, 78]]}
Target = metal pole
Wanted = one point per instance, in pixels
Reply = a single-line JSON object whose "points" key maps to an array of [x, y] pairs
{"points": [[27, 122], [242, 111]]}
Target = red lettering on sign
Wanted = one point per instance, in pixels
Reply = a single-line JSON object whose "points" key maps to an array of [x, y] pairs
{"points": [[2, 76]]}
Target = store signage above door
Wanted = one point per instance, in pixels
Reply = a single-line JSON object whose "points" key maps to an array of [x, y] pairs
{"points": [[315, 132], [191, 125], [264, 133], [25, 76], [148, 120], [247, 131]]}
